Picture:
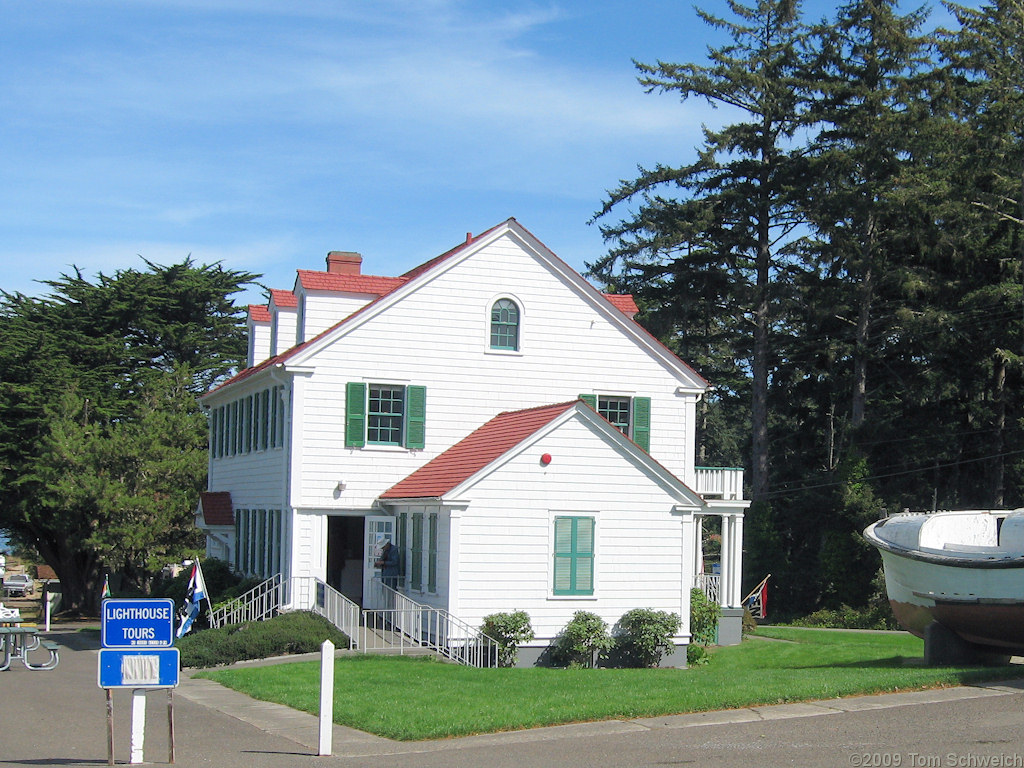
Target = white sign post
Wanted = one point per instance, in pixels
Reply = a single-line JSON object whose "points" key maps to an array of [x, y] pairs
{"points": [[326, 697]]}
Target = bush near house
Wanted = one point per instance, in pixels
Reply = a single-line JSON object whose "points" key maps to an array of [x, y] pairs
{"points": [[510, 630], [581, 641], [643, 636], [296, 632]]}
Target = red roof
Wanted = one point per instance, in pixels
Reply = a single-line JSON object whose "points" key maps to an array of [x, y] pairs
{"points": [[284, 299], [217, 509], [623, 302], [370, 285], [259, 313], [474, 452]]}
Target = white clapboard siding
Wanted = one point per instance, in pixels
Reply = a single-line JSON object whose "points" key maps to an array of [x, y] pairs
{"points": [[438, 337], [638, 537], [282, 328]]}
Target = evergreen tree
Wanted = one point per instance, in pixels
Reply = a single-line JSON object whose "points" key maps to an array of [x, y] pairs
{"points": [[724, 224], [102, 448]]}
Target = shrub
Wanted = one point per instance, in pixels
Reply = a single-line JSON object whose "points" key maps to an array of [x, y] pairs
{"points": [[645, 635], [509, 629], [696, 655], [845, 617], [296, 632], [581, 640], [704, 615], [749, 622]]}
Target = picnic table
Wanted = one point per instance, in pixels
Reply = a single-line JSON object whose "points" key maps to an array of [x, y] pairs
{"points": [[17, 641]]}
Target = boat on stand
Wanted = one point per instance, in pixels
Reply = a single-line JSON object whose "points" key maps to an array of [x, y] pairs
{"points": [[956, 579]]}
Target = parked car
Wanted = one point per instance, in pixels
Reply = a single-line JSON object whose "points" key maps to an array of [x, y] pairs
{"points": [[18, 584]]}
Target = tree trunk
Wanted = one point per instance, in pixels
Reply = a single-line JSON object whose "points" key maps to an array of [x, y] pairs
{"points": [[759, 393]]}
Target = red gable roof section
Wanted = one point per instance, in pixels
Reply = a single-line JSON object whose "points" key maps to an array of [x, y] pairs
{"points": [[259, 313], [474, 452], [216, 507], [623, 302], [370, 285], [284, 299]]}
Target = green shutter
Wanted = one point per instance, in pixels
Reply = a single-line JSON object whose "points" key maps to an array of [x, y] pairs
{"points": [[416, 417], [355, 414], [416, 550], [590, 400], [432, 553], [574, 556], [642, 422]]}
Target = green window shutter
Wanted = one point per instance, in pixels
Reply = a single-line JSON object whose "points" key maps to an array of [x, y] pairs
{"points": [[416, 550], [642, 422], [355, 414], [574, 556], [416, 417], [590, 400], [432, 553]]}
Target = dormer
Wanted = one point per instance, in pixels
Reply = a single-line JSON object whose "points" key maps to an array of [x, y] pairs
{"points": [[258, 323], [327, 298], [283, 308]]}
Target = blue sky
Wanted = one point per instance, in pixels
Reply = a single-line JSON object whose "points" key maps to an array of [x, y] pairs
{"points": [[265, 133]]}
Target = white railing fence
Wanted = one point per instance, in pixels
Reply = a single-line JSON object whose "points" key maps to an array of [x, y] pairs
{"points": [[261, 602], [711, 583], [722, 483], [406, 625], [400, 627]]}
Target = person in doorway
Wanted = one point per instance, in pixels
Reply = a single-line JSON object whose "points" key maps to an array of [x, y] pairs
{"points": [[389, 564]]}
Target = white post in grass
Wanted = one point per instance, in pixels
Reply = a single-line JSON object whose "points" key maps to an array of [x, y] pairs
{"points": [[326, 697]]}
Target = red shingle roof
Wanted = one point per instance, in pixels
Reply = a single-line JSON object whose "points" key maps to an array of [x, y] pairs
{"points": [[623, 302], [259, 313], [217, 509], [284, 299], [370, 285], [474, 452]]}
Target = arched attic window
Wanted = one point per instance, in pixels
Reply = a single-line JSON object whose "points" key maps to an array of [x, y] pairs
{"points": [[505, 325]]}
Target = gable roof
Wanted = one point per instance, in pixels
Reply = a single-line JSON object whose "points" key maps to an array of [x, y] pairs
{"points": [[474, 452], [469, 459], [409, 282], [215, 508]]}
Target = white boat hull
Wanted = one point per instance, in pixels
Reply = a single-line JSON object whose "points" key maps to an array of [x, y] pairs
{"points": [[975, 591]]}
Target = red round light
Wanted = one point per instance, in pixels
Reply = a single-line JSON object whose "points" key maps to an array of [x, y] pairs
{"points": [[545, 459]]}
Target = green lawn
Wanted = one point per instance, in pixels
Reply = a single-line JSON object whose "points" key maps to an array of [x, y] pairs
{"points": [[418, 698]]}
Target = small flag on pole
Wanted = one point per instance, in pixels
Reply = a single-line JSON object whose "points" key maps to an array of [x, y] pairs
{"points": [[195, 594], [106, 587]]}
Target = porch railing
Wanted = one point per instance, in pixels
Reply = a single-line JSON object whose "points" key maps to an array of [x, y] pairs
{"points": [[720, 483], [312, 594], [405, 625], [711, 583], [261, 602]]}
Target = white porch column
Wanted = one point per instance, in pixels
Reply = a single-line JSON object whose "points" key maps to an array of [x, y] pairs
{"points": [[725, 584], [736, 559], [698, 544], [688, 580]]}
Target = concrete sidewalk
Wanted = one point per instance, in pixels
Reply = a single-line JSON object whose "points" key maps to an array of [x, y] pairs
{"points": [[59, 718]]}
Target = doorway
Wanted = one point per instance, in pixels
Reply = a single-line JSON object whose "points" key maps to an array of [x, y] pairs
{"points": [[345, 556]]}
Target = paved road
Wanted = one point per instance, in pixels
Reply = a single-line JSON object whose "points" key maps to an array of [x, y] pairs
{"points": [[58, 718]]}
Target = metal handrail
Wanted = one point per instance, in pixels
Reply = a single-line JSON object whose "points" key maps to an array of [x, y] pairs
{"points": [[312, 594], [409, 625], [261, 602]]}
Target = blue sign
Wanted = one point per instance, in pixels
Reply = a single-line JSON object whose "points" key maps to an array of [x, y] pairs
{"points": [[151, 668], [146, 623]]}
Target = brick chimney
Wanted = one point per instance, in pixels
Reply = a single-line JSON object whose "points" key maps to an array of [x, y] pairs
{"points": [[344, 263]]}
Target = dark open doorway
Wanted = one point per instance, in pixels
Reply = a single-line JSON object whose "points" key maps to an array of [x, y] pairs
{"points": [[345, 556]]}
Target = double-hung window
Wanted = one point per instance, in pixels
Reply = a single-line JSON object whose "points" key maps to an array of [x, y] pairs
{"points": [[630, 415], [573, 556], [385, 414]]}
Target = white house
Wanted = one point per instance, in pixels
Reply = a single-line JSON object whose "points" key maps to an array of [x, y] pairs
{"points": [[525, 443]]}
